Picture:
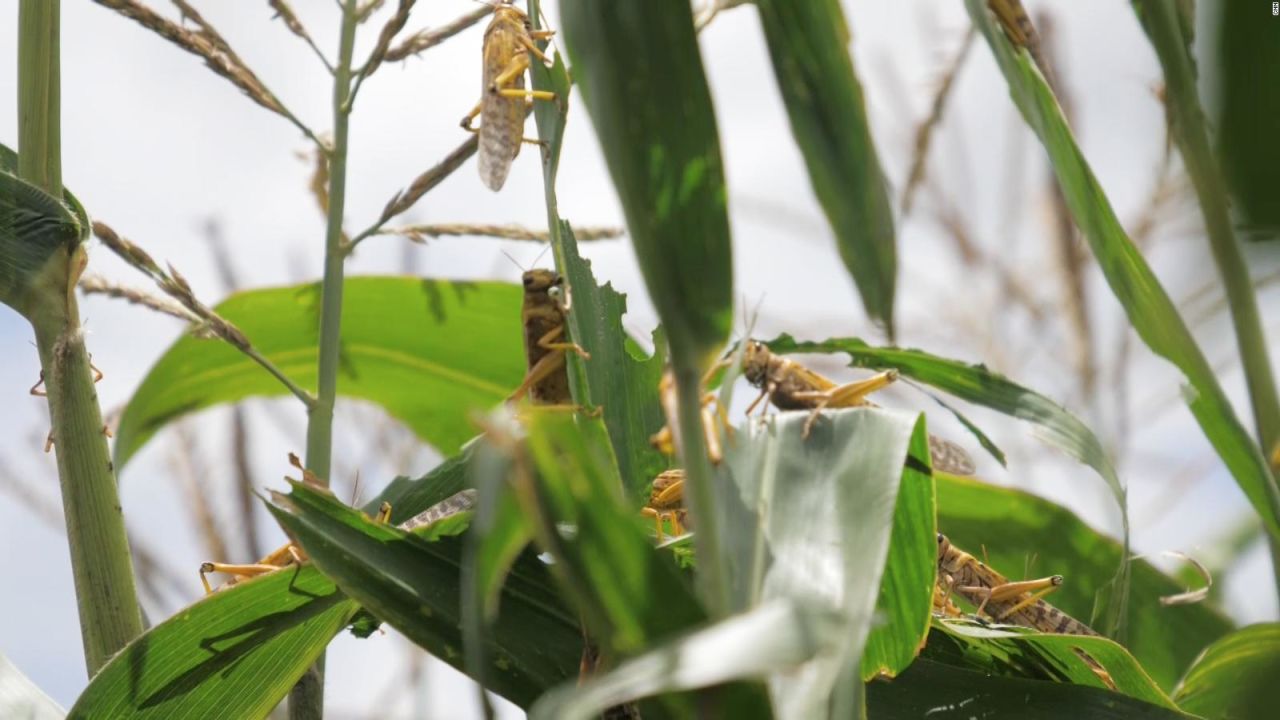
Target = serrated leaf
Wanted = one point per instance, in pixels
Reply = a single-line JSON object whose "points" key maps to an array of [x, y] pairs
{"points": [[635, 61]]}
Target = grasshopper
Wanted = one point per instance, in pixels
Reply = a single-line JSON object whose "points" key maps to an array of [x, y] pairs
{"points": [[543, 314], [1015, 602], [666, 503], [791, 386], [1018, 603], [508, 42]]}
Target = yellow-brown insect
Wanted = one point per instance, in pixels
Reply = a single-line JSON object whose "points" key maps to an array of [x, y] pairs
{"points": [[666, 503], [508, 42], [1013, 602], [546, 305], [792, 386], [1017, 603]]}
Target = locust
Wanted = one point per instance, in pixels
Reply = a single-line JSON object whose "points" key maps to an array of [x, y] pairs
{"points": [[666, 503], [543, 314], [1018, 603], [792, 386], [504, 102], [1012, 602]]}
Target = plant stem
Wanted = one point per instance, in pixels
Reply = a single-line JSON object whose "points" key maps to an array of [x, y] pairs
{"points": [[1193, 143], [712, 583], [100, 561], [306, 700]]}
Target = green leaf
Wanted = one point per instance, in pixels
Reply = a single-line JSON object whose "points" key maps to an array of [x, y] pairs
{"points": [[928, 685], [1235, 677], [212, 657], [1020, 652], [906, 589], [428, 351], [235, 653], [21, 698], [638, 66], [1024, 536], [549, 116], [412, 581], [774, 637], [620, 378], [34, 226], [499, 533], [809, 519], [977, 384], [1248, 81], [1149, 308], [809, 44], [608, 565], [1172, 39]]}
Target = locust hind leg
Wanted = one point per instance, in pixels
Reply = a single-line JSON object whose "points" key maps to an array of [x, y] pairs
{"points": [[238, 571], [548, 342], [852, 394], [546, 366], [466, 120], [1037, 589]]}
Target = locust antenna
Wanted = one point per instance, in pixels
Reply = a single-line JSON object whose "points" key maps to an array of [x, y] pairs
{"points": [[519, 267], [544, 252]]}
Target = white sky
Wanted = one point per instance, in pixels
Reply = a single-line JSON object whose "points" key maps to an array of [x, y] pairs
{"points": [[156, 145]]}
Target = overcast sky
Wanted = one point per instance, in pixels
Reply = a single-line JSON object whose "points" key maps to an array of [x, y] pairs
{"points": [[158, 146]]}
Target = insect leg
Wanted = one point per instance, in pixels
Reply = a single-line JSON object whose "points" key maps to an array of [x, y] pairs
{"points": [[240, 571], [533, 49], [530, 94], [1037, 588], [851, 394], [466, 121], [548, 342], [546, 366], [513, 70]]}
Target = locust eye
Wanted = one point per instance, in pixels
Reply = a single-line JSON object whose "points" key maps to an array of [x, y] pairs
{"points": [[940, 538]]}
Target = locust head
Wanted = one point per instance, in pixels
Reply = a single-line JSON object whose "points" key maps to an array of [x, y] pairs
{"points": [[755, 362], [945, 553]]}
